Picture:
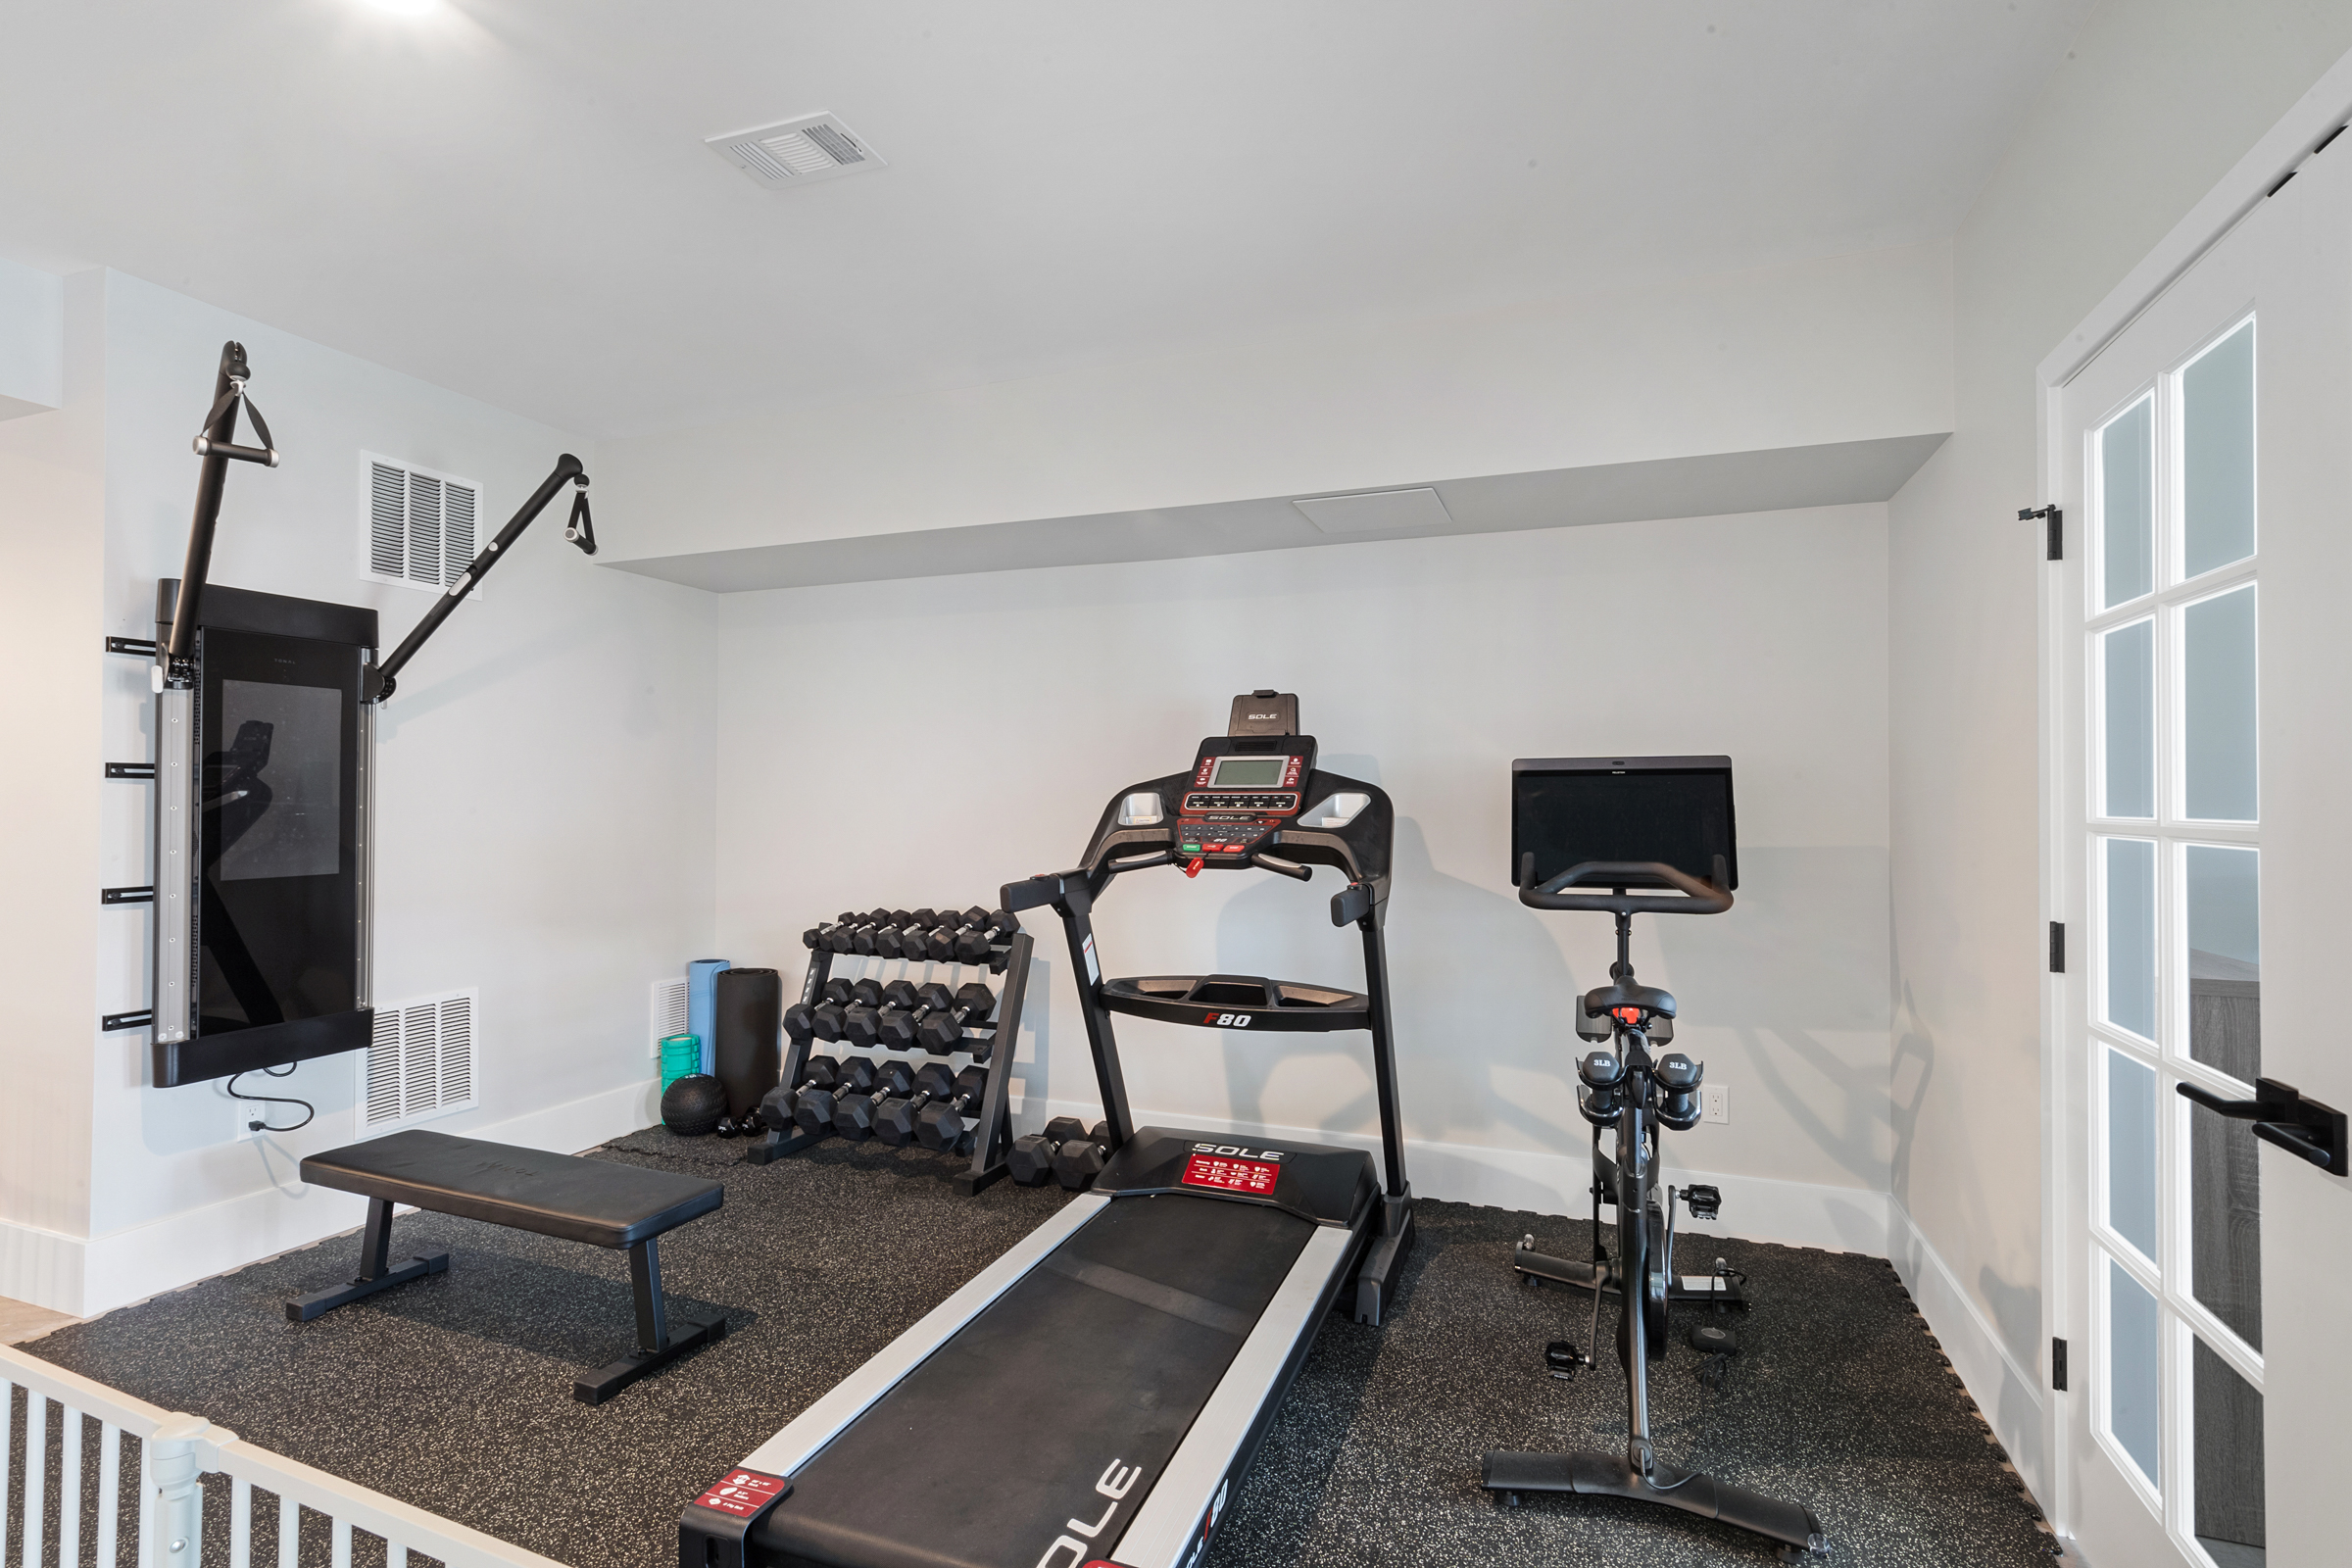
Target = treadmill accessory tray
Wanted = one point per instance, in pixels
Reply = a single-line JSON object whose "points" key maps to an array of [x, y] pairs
{"points": [[1238, 1001]]}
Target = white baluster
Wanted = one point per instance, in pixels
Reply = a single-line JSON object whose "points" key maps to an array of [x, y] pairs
{"points": [[396, 1555], [37, 1474], [289, 1532], [109, 1489], [69, 1489], [340, 1552], [240, 1523]]}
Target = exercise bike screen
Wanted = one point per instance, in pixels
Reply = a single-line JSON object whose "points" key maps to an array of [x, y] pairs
{"points": [[1570, 813]]}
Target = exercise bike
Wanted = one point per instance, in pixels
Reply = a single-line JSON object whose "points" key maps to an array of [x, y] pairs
{"points": [[1637, 1095]]}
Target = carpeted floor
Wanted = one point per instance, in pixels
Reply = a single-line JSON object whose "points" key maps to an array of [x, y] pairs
{"points": [[455, 1393]]}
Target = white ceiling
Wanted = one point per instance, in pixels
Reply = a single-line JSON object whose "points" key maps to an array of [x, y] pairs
{"points": [[510, 198]]}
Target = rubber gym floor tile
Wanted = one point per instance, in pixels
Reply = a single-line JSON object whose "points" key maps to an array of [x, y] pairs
{"points": [[455, 1393]]}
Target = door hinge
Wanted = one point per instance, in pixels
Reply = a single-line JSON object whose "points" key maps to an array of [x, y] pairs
{"points": [[2057, 947], [2057, 528], [2058, 1365]]}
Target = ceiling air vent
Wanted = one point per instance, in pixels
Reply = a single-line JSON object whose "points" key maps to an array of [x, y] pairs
{"points": [[798, 152]]}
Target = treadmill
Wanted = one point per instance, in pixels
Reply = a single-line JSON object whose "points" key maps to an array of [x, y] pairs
{"points": [[1095, 1396]]}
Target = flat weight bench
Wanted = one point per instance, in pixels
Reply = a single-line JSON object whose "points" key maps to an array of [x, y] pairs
{"points": [[591, 1200]]}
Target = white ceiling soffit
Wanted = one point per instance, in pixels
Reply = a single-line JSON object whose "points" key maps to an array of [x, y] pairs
{"points": [[798, 152], [1376, 512], [1070, 184], [1717, 484]]}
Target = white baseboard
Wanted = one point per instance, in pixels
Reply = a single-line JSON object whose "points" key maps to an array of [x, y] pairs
{"points": [[2007, 1395], [42, 1266], [88, 1277]]}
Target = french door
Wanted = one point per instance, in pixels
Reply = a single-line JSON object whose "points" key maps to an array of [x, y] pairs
{"points": [[2199, 647]]}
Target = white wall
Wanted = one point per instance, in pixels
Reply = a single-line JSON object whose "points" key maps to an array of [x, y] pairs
{"points": [[544, 790], [1849, 347], [52, 540], [2151, 107], [1424, 666]]}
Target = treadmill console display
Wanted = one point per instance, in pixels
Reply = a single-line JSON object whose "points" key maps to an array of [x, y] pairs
{"points": [[1229, 1174], [1240, 796]]}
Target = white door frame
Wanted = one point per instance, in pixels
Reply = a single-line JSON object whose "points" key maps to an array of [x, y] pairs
{"points": [[2316, 117]]}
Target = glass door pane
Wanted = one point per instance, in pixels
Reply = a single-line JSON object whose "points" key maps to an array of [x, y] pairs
{"points": [[2225, 1222], [2132, 1151], [2128, 504], [2218, 707], [2131, 958], [2134, 1371], [2227, 1418], [2216, 454], [2127, 703], [2224, 894]]}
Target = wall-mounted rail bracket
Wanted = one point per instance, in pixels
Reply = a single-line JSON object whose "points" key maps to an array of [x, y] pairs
{"points": [[136, 646], [2304, 1128], [130, 770], [145, 895], [111, 1022]]}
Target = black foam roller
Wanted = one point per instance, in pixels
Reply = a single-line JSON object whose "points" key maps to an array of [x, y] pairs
{"points": [[747, 1015]]}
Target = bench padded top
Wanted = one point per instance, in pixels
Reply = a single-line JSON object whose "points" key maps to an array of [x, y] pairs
{"points": [[593, 1200]]}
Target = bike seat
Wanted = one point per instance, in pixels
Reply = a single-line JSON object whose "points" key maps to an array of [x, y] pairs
{"points": [[1649, 998]]}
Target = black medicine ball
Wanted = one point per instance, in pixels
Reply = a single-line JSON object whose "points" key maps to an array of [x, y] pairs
{"points": [[692, 1106]]}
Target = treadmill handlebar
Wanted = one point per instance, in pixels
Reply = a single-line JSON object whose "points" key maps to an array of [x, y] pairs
{"points": [[1033, 892], [1698, 898]]}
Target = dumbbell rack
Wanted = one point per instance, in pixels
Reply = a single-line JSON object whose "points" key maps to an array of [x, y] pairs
{"points": [[995, 1042]]}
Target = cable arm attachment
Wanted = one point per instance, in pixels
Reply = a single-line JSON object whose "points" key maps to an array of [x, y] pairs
{"points": [[379, 680]]}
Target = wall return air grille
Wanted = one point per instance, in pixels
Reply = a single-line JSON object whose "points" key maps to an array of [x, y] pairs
{"points": [[798, 152], [417, 526], [669, 1013], [419, 1063]]}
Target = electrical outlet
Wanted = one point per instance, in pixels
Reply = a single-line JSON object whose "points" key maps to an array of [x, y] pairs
{"points": [[246, 1111], [1717, 1098]]}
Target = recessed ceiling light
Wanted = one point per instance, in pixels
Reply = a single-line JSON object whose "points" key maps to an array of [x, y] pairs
{"points": [[405, 7], [797, 151]]}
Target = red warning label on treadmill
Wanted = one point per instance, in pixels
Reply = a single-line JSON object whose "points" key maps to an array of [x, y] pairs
{"points": [[1233, 1175], [744, 1493]]}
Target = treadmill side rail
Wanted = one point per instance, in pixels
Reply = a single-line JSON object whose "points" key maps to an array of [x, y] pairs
{"points": [[1178, 1511], [823, 1421]]}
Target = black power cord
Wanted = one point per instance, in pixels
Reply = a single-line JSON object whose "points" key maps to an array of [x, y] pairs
{"points": [[261, 1125]]}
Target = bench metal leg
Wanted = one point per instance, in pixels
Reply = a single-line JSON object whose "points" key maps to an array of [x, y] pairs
{"points": [[655, 1347], [376, 1272]]}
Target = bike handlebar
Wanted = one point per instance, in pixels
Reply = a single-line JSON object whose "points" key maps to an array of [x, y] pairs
{"points": [[1698, 898]]}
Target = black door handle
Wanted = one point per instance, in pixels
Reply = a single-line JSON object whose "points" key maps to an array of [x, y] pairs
{"points": [[2281, 1116]]}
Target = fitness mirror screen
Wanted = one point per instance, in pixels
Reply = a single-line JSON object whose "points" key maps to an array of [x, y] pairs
{"points": [[1681, 816], [277, 785], [1249, 773]]}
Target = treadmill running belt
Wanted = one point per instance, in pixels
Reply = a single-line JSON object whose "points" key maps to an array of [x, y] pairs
{"points": [[1102, 1353]]}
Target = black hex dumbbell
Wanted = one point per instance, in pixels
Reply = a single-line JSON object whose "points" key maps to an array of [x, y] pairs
{"points": [[826, 1018], [947, 1121], [940, 1028], [861, 1018], [812, 1109], [896, 1119], [1066, 1150], [854, 1113]]}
